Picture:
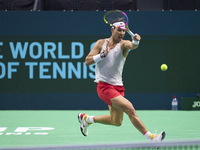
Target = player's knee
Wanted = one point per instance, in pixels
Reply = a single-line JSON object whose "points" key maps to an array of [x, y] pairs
{"points": [[117, 123], [130, 111]]}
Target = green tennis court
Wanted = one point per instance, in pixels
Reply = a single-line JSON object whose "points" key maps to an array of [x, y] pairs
{"points": [[62, 127]]}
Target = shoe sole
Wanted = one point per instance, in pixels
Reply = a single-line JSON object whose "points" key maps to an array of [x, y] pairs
{"points": [[79, 120], [82, 131], [163, 136]]}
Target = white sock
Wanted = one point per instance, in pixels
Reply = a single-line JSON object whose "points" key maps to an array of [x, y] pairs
{"points": [[90, 119], [147, 135]]}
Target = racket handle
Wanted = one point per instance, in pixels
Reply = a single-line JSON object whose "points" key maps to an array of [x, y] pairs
{"points": [[131, 33], [136, 42]]}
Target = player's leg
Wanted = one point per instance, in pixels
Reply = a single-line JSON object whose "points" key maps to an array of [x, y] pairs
{"points": [[115, 118], [119, 105], [116, 115], [126, 106]]}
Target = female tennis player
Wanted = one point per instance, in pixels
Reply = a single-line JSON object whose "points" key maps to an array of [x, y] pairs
{"points": [[110, 55]]}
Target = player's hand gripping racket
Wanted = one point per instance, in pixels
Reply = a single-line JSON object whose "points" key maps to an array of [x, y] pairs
{"points": [[117, 15]]}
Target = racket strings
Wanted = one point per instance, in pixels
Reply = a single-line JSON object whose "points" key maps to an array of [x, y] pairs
{"points": [[115, 17], [118, 16]]}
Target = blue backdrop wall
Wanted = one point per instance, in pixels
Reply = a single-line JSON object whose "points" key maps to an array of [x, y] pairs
{"points": [[42, 59]]}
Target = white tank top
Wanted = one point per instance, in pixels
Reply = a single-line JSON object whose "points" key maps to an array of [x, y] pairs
{"points": [[110, 69]]}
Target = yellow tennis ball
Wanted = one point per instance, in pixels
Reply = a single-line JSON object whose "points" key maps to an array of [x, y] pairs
{"points": [[163, 67]]}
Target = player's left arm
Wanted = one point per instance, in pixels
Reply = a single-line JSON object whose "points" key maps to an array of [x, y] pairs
{"points": [[131, 44]]}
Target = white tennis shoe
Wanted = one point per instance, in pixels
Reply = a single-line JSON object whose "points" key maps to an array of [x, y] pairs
{"points": [[157, 137], [84, 124]]}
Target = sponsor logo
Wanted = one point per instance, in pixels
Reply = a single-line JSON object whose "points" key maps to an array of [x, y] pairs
{"points": [[26, 131], [196, 104]]}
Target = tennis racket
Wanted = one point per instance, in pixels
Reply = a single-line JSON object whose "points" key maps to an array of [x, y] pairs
{"points": [[113, 15]]}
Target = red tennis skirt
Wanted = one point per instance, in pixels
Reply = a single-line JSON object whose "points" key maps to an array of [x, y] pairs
{"points": [[107, 91]]}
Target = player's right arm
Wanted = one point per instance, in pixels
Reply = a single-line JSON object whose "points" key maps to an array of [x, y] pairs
{"points": [[95, 51]]}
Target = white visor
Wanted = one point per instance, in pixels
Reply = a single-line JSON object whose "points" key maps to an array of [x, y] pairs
{"points": [[119, 24]]}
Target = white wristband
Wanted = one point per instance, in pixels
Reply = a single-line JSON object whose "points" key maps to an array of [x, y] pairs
{"points": [[135, 42], [97, 58]]}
